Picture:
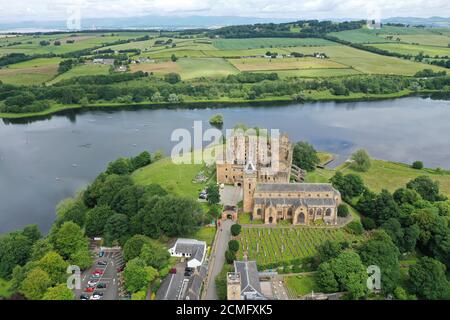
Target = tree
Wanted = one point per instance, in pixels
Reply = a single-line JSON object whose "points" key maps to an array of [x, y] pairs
{"points": [[236, 229], [173, 57], [428, 279], [368, 223], [96, 220], [71, 210], [230, 256], [59, 292], [32, 232], [394, 229], [116, 229], [35, 284], [350, 185], [154, 255], [40, 248], [233, 245], [361, 161], [326, 279], [172, 78], [171, 216], [54, 265], [69, 239], [427, 188], [140, 295], [137, 276], [133, 247], [213, 192], [127, 200], [355, 227], [81, 258], [216, 120], [343, 210], [328, 250], [15, 250], [381, 251], [404, 195], [104, 188], [120, 166], [417, 165], [141, 160], [305, 156]]}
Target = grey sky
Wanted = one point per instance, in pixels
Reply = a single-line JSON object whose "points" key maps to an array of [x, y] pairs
{"points": [[20, 10]]}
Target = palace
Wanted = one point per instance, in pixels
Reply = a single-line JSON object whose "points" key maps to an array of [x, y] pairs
{"points": [[269, 195]]}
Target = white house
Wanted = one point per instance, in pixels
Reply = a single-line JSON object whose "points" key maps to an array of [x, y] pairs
{"points": [[190, 248]]}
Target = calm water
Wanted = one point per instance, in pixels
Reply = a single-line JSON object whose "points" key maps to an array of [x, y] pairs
{"points": [[45, 161]]}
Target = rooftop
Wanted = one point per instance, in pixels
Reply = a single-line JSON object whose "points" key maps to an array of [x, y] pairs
{"points": [[295, 187]]}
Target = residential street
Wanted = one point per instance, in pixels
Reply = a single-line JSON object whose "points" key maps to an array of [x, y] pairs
{"points": [[217, 259]]}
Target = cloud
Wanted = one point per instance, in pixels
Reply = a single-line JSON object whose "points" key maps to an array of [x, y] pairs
{"points": [[42, 10]]}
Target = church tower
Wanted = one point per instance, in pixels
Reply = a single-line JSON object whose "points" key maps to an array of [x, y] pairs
{"points": [[233, 286], [250, 181]]}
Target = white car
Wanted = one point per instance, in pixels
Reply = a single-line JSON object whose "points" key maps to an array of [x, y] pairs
{"points": [[92, 283], [95, 297]]}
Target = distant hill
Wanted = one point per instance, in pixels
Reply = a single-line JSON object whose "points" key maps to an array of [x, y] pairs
{"points": [[166, 22], [429, 22]]}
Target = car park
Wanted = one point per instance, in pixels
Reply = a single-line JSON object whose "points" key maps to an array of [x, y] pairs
{"points": [[84, 297], [95, 297], [97, 293], [102, 263], [102, 285], [89, 289], [173, 270]]}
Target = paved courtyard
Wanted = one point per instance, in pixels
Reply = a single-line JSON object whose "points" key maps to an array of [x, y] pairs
{"points": [[231, 195]]}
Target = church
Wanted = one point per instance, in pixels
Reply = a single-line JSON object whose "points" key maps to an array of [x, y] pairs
{"points": [[270, 195]]}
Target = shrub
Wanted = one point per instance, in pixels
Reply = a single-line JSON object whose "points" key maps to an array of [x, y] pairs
{"points": [[417, 165], [233, 245], [230, 256], [236, 229], [368, 223], [361, 161], [355, 227], [343, 210]]}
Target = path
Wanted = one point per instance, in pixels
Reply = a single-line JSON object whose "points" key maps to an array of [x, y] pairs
{"points": [[217, 259]]}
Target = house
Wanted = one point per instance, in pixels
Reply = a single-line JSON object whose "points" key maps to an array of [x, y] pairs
{"points": [[103, 61], [244, 283], [190, 248]]}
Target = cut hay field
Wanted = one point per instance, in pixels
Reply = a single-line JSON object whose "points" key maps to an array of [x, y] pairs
{"points": [[414, 49], [158, 67], [206, 67], [371, 63], [31, 72], [262, 64], [254, 43], [274, 245], [178, 52]]}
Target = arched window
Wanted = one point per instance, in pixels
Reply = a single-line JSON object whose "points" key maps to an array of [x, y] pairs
{"points": [[319, 212], [328, 212], [311, 212], [289, 213], [259, 212], [301, 218]]}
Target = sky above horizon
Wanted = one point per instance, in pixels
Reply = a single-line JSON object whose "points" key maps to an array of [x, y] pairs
{"points": [[44, 10]]}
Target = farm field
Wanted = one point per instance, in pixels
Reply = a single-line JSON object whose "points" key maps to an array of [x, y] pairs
{"points": [[178, 52], [159, 67], [254, 43], [428, 39], [359, 36], [259, 64], [244, 52], [274, 245], [206, 67], [30, 72], [82, 70], [371, 63], [414, 49], [316, 73]]}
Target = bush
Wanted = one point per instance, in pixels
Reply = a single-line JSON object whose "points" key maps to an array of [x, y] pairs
{"points": [[230, 256], [343, 210], [368, 223], [417, 165], [361, 161], [233, 245], [172, 78], [236, 229], [355, 227]]}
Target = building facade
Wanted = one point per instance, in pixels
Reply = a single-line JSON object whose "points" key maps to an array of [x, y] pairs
{"points": [[269, 195]]}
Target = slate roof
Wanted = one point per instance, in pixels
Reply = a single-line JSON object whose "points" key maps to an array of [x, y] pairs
{"points": [[196, 249], [308, 202], [295, 187], [250, 285]]}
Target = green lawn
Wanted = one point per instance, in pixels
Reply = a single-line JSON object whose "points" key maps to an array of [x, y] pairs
{"points": [[299, 286], [206, 234], [254, 43]]}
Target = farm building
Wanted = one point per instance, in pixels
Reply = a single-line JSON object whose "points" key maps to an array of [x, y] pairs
{"points": [[190, 248]]}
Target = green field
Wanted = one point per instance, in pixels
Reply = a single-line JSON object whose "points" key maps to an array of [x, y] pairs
{"points": [[298, 286], [359, 36], [30, 72], [427, 39], [385, 175], [264, 64], [414, 49], [208, 67], [274, 245], [254, 43], [206, 234], [82, 70]]}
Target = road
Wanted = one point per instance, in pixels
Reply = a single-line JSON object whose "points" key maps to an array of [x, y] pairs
{"points": [[217, 259]]}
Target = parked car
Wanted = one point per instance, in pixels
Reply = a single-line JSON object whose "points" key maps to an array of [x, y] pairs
{"points": [[189, 269], [173, 270], [92, 282], [120, 269], [89, 289], [101, 285], [203, 196], [101, 254], [102, 263], [95, 297], [95, 275], [84, 297], [187, 274], [97, 293], [99, 271]]}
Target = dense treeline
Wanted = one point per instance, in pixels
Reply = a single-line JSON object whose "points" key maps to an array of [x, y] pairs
{"points": [[121, 88], [306, 29], [21, 57]]}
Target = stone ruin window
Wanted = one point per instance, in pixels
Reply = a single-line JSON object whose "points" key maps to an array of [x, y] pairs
{"points": [[328, 212], [319, 212], [311, 212]]}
